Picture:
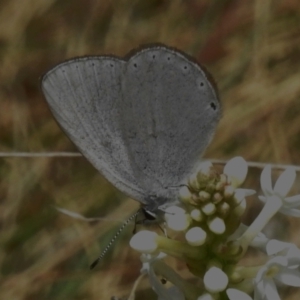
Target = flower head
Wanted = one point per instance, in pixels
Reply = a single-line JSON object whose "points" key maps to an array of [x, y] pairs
{"points": [[289, 205], [211, 238], [276, 268]]}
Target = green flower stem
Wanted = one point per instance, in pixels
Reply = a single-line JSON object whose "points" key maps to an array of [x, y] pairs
{"points": [[179, 249]]}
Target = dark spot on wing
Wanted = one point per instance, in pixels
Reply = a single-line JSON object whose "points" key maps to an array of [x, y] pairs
{"points": [[213, 106]]}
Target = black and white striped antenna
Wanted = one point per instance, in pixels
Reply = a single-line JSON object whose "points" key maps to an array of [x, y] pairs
{"points": [[93, 265]]}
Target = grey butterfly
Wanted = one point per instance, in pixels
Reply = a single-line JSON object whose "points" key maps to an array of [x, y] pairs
{"points": [[142, 121]]}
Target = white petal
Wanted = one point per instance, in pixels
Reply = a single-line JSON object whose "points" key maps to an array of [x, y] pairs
{"points": [[236, 169], [260, 242], [285, 182], [259, 291], [262, 199], [240, 209], [271, 290], [234, 294], [289, 277], [274, 247], [294, 212], [266, 180], [291, 251], [293, 255], [293, 201], [239, 195], [261, 274], [280, 261], [291, 205]]}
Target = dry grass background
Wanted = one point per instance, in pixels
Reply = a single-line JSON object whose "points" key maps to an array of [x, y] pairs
{"points": [[251, 47]]}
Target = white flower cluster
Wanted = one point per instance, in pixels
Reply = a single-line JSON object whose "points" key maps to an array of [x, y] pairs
{"points": [[214, 240]]}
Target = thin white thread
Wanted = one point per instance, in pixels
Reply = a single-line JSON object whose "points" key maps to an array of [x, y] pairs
{"points": [[40, 154], [78, 154], [258, 165]]}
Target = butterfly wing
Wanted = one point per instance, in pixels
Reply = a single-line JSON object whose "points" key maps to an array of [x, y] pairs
{"points": [[84, 95], [168, 118], [142, 122]]}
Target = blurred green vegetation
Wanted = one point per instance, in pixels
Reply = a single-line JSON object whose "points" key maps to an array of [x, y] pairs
{"points": [[252, 48]]}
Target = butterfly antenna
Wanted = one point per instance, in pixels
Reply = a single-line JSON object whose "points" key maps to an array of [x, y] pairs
{"points": [[93, 265]]}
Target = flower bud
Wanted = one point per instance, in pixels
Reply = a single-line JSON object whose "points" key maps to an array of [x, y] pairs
{"points": [[217, 225], [209, 209], [196, 236], [236, 170], [176, 218], [215, 280], [197, 215], [144, 241]]}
